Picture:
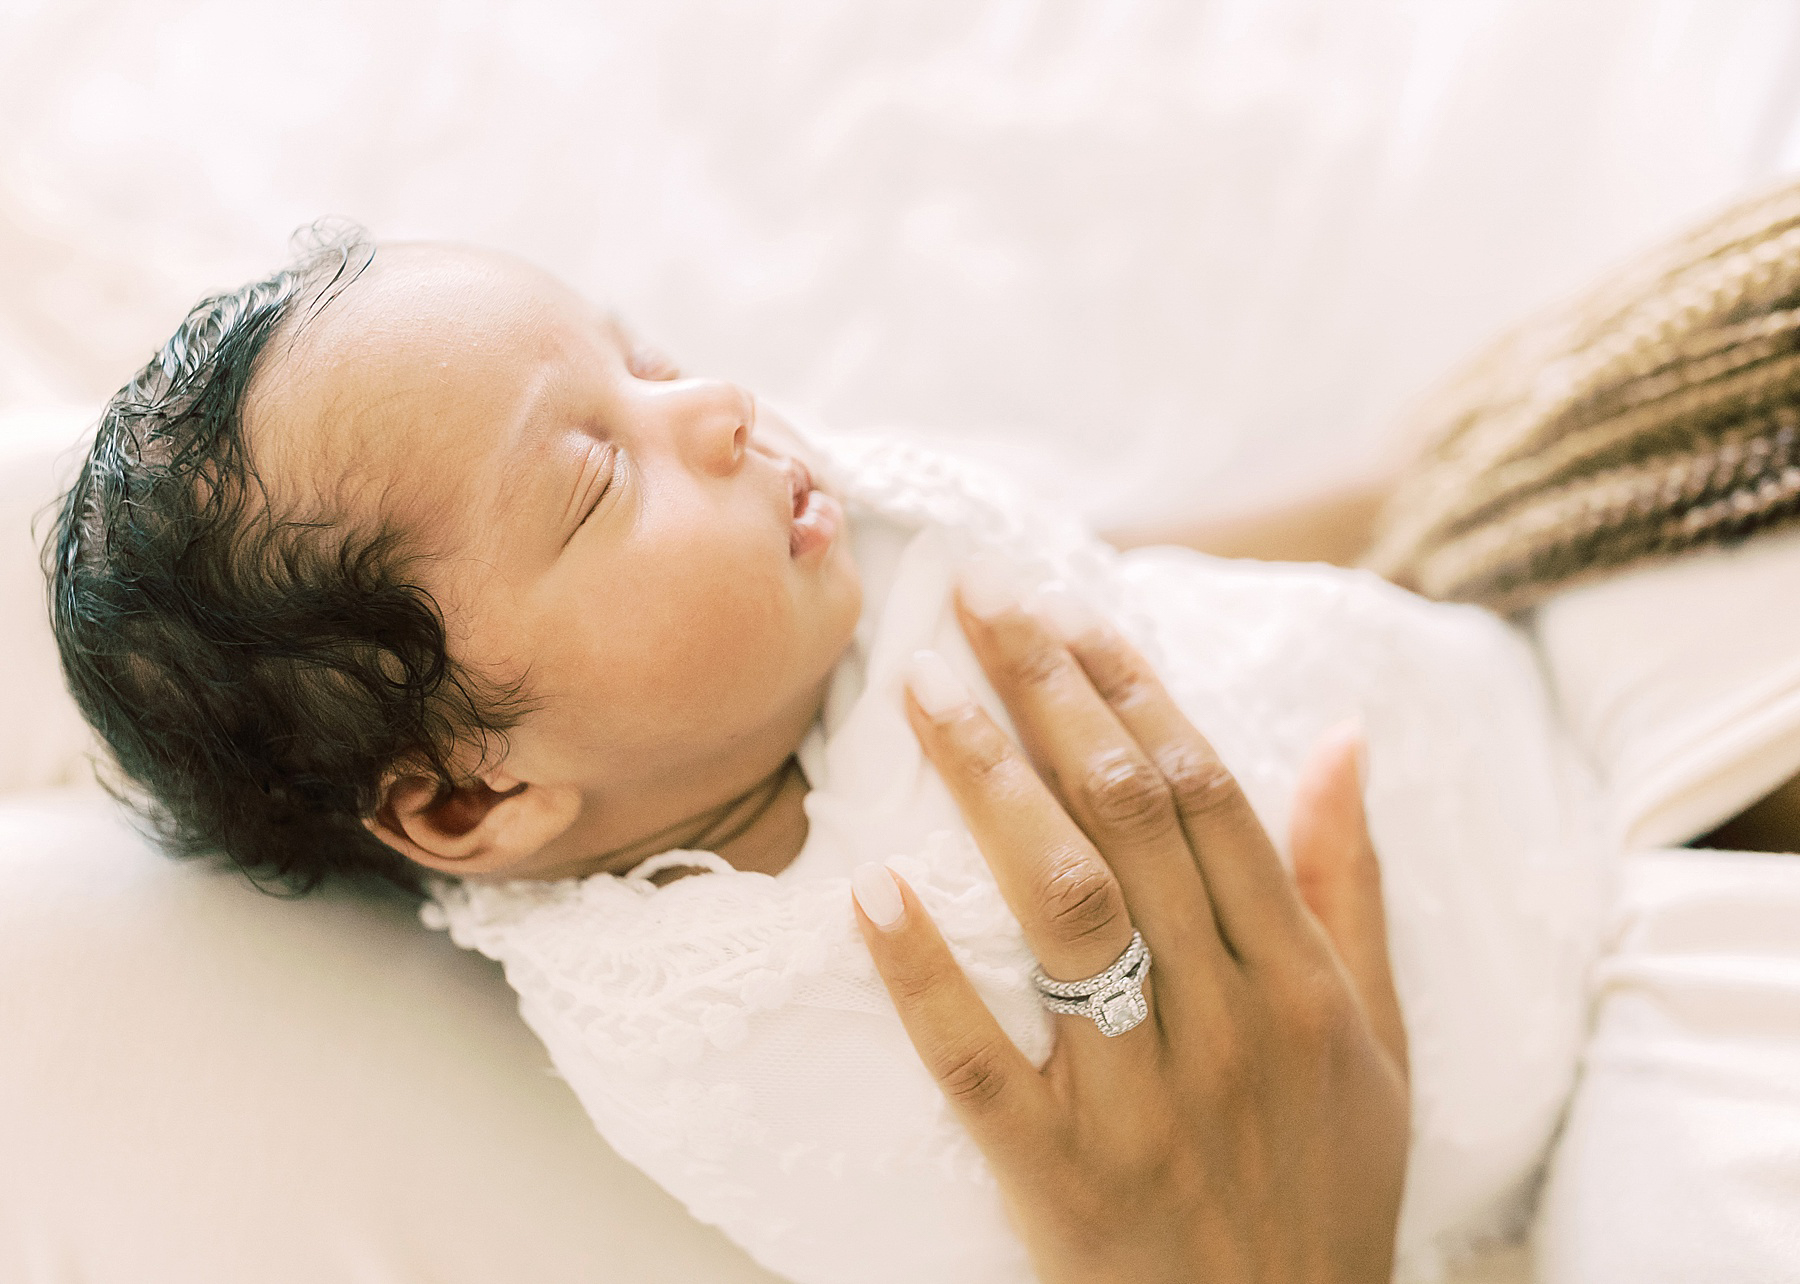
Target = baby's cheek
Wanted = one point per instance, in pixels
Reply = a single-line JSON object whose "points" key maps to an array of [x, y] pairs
{"points": [[733, 646]]}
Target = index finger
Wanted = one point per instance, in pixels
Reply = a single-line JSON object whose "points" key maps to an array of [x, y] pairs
{"points": [[1253, 898], [1095, 765], [1064, 894], [985, 1077]]}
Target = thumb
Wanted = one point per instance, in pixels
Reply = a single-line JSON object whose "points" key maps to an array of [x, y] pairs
{"points": [[1339, 875]]}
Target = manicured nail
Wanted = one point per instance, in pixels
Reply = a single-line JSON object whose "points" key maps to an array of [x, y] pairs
{"points": [[934, 685], [1067, 615], [876, 891], [989, 586]]}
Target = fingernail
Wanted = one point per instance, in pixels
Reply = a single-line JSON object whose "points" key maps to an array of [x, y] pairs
{"points": [[876, 891], [1067, 615], [937, 689], [988, 586]]}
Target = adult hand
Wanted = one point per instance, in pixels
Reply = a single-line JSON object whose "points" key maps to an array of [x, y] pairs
{"points": [[1254, 1127]]}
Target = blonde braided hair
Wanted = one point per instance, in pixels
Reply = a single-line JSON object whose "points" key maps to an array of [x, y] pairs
{"points": [[1660, 412]]}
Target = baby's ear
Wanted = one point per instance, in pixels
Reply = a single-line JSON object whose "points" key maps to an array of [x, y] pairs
{"points": [[493, 824]]}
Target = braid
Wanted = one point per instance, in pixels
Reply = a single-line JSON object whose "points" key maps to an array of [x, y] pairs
{"points": [[1661, 412]]}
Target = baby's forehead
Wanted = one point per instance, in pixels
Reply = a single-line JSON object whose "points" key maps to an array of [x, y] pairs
{"points": [[421, 319], [392, 399]]}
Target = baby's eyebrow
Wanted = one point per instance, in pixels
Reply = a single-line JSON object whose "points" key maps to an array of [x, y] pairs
{"points": [[530, 468], [615, 329]]}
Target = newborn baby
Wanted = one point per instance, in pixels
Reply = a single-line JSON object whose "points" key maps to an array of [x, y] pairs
{"points": [[662, 725]]}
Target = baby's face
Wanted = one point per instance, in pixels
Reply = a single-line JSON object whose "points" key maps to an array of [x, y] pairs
{"points": [[639, 546]]}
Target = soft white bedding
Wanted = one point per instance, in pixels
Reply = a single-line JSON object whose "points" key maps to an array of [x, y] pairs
{"points": [[1201, 250], [1681, 1157], [203, 1085]]}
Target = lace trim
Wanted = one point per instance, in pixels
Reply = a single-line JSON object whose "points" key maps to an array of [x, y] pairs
{"points": [[651, 977]]}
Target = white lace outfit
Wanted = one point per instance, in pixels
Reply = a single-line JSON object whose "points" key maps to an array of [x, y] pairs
{"points": [[728, 1034]]}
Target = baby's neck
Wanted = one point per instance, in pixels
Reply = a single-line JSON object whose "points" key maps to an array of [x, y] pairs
{"points": [[760, 831]]}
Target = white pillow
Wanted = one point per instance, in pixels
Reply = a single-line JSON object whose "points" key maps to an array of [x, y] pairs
{"points": [[46, 742], [200, 1084]]}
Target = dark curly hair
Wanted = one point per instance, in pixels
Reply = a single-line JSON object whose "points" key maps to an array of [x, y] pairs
{"points": [[255, 674]]}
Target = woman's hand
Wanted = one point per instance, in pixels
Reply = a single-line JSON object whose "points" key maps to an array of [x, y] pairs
{"points": [[1254, 1127]]}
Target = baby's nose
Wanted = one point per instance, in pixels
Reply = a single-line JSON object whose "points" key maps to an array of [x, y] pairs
{"points": [[715, 421]]}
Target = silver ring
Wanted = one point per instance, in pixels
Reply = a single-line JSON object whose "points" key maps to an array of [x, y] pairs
{"points": [[1113, 1000]]}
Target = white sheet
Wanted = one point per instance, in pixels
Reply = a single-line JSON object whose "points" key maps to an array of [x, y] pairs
{"points": [[45, 743], [1680, 1160]]}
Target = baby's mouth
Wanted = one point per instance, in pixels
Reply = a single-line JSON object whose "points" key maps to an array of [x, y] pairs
{"points": [[800, 484], [817, 515]]}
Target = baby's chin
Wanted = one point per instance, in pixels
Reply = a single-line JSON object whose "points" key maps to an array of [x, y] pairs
{"points": [[837, 660]]}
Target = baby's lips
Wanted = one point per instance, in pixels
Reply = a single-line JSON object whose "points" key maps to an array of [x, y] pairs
{"points": [[800, 483], [816, 524]]}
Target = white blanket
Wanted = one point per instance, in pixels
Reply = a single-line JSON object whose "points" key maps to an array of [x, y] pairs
{"points": [[1681, 681], [728, 1033], [1681, 1157]]}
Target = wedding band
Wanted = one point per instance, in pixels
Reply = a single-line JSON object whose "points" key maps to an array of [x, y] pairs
{"points": [[1113, 1000]]}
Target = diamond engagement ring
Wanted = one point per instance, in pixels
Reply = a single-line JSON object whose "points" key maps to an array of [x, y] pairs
{"points": [[1113, 1000]]}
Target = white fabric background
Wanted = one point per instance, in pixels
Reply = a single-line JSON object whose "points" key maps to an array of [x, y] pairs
{"points": [[1203, 249]]}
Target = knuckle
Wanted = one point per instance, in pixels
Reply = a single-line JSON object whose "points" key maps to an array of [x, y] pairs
{"points": [[1314, 1009], [1119, 676], [1201, 784], [1231, 1065], [1034, 663], [982, 750], [1124, 791], [970, 1076], [1081, 900], [910, 984]]}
